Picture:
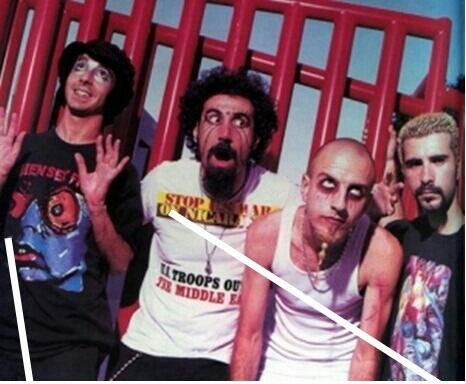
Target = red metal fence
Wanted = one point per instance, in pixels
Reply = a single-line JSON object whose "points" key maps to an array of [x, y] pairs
{"points": [[33, 94]]}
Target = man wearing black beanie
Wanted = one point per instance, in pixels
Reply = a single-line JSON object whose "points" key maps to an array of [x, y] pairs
{"points": [[72, 208]]}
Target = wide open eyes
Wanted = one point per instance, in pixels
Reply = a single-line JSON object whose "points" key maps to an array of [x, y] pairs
{"points": [[213, 117], [239, 120], [328, 184], [354, 192], [100, 74]]}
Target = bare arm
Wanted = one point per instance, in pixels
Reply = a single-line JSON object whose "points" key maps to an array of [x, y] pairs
{"points": [[95, 186], [247, 350], [116, 250], [379, 274], [10, 144]]}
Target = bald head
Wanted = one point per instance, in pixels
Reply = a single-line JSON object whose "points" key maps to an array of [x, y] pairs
{"points": [[346, 152], [337, 189]]}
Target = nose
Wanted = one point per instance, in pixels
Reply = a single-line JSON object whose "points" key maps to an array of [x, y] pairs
{"points": [[427, 175], [338, 204], [225, 130], [86, 76]]}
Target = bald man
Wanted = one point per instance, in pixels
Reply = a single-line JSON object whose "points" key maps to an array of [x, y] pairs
{"points": [[330, 250]]}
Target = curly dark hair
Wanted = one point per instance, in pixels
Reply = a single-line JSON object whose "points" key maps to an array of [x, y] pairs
{"points": [[111, 57], [221, 80]]}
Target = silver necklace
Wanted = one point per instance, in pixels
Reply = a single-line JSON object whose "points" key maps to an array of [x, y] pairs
{"points": [[210, 253]]}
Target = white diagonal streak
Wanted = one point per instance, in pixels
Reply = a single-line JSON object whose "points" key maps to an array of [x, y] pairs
{"points": [[300, 295], [18, 309]]}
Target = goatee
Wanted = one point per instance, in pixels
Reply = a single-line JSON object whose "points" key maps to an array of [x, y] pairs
{"points": [[219, 183]]}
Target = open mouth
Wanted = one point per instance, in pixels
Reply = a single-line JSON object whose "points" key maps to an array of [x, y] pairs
{"points": [[222, 155], [29, 257], [82, 93]]}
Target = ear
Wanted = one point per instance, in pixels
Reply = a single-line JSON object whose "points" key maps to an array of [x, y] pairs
{"points": [[255, 144], [458, 169], [196, 132], [305, 184]]}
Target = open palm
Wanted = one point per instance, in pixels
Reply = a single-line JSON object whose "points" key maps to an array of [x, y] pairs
{"points": [[95, 185], [10, 142]]}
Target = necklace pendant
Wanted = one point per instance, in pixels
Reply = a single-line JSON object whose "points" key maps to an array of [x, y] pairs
{"points": [[208, 268]]}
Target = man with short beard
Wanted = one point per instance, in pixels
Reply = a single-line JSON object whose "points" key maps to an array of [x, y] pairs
{"points": [[189, 298], [427, 323]]}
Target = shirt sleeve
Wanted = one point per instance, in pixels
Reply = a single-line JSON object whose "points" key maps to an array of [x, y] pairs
{"points": [[124, 205], [151, 186]]}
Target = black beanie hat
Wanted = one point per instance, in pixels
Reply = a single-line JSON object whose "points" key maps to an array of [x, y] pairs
{"points": [[111, 57]]}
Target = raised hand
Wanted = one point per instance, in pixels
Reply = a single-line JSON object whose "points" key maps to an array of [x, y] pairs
{"points": [[95, 185], [386, 194], [10, 142], [390, 163]]}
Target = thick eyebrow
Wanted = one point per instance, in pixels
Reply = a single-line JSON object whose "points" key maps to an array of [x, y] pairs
{"points": [[325, 175], [235, 114], [242, 114], [412, 161], [212, 110], [438, 157]]}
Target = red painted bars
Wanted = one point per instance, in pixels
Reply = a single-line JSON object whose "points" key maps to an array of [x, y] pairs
{"points": [[166, 139], [38, 50], [284, 77], [333, 81]]}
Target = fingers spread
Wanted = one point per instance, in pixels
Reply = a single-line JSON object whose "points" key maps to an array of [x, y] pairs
{"points": [[13, 126], [2, 119], [99, 149], [82, 169], [18, 143]]}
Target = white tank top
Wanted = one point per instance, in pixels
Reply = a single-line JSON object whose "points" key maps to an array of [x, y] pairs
{"points": [[300, 342]]}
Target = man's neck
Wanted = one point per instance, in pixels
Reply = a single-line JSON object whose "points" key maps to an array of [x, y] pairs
{"points": [[79, 130], [241, 181], [312, 246], [449, 222]]}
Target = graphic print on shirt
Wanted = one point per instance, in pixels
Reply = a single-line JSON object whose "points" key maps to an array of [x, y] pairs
{"points": [[201, 209], [205, 287], [53, 227], [418, 329]]}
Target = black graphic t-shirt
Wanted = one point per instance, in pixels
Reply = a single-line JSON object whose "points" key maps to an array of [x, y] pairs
{"points": [[61, 271], [427, 322]]}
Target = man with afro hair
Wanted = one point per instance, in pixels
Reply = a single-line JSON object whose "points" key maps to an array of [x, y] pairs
{"points": [[72, 207], [189, 299]]}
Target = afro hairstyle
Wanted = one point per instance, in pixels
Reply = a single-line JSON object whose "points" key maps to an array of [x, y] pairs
{"points": [[221, 80]]}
